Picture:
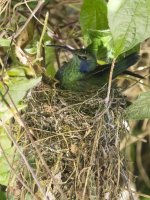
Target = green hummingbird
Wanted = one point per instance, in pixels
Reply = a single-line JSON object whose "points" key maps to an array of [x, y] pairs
{"points": [[83, 73]]}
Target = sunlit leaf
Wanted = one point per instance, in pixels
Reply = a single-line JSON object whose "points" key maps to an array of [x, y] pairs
{"points": [[17, 88], [93, 15], [6, 114], [129, 22], [140, 109], [9, 151], [5, 42]]}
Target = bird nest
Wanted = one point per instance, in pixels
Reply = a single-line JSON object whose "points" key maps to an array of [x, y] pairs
{"points": [[79, 139]]}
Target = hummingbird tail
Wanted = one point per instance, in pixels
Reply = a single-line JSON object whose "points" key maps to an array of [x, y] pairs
{"points": [[124, 64]]}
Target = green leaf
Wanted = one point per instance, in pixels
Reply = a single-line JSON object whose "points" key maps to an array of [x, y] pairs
{"points": [[3, 195], [16, 71], [17, 87], [5, 42], [101, 43], [140, 109], [9, 152], [93, 15], [6, 114], [129, 22], [50, 58], [28, 196]]}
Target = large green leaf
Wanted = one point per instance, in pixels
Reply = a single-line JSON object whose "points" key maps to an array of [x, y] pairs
{"points": [[9, 152], [129, 22], [93, 15], [140, 109], [17, 87]]}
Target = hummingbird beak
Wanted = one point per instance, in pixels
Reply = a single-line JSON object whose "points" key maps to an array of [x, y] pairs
{"points": [[68, 48], [78, 52]]}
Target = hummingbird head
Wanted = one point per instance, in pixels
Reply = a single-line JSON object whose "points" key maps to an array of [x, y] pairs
{"points": [[88, 62], [84, 57], [83, 53]]}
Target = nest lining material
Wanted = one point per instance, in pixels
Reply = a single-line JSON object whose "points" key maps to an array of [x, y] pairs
{"points": [[79, 139]]}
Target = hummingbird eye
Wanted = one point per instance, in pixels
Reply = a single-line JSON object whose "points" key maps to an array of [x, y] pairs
{"points": [[83, 57], [82, 54]]}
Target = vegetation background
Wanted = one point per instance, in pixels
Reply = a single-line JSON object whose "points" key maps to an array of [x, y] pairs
{"points": [[28, 166]]}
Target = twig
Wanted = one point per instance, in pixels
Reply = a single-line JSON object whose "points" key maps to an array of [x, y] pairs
{"points": [[29, 19], [42, 35], [110, 82]]}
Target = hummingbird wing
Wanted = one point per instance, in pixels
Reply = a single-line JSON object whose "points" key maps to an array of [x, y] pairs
{"points": [[119, 68], [133, 74], [124, 64]]}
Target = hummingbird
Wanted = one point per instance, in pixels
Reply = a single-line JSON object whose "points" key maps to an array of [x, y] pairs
{"points": [[83, 73]]}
